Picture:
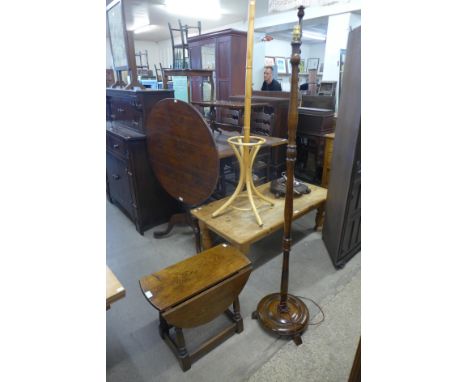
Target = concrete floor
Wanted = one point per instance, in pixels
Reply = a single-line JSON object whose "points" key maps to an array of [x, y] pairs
{"points": [[135, 352]]}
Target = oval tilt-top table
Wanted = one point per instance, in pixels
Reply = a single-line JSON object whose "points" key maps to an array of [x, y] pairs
{"points": [[183, 156]]}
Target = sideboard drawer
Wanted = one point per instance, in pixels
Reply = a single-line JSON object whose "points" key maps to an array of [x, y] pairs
{"points": [[116, 145]]}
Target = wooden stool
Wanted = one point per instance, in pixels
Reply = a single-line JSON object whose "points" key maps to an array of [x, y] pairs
{"points": [[196, 291]]}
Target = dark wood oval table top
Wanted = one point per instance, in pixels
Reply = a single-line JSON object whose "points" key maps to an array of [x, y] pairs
{"points": [[189, 277], [182, 151]]}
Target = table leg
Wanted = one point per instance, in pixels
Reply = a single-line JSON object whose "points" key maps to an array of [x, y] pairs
{"points": [[320, 217], [244, 248], [207, 241], [237, 315]]}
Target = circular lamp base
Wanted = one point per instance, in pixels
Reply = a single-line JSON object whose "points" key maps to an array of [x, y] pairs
{"points": [[292, 322]]}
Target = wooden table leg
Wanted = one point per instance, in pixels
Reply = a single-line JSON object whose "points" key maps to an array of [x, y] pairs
{"points": [[207, 241], [183, 354], [319, 218], [244, 248], [237, 316]]}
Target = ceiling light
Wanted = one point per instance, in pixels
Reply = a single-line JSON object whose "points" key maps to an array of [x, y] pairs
{"points": [[201, 9], [145, 28]]}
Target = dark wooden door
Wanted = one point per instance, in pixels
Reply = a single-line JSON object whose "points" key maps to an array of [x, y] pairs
{"points": [[342, 227], [119, 183]]}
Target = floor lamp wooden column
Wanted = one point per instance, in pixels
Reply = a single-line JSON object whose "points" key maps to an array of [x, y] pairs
{"points": [[244, 149], [283, 313]]}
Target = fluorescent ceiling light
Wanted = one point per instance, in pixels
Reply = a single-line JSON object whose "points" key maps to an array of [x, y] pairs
{"points": [[201, 9], [314, 35], [145, 28]]}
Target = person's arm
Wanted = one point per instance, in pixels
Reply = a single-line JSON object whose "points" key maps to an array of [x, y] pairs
{"points": [[278, 86]]}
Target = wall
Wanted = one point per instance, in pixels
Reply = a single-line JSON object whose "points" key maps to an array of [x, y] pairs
{"points": [[354, 20]]}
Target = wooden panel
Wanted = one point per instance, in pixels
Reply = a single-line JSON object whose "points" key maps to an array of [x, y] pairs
{"points": [[238, 61], [223, 58], [223, 89], [195, 56], [215, 300], [181, 281]]}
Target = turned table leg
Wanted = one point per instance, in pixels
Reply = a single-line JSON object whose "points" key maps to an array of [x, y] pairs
{"points": [[319, 218], [244, 248], [207, 241], [237, 316], [182, 350]]}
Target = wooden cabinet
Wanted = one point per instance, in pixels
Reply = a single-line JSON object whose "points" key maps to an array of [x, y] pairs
{"points": [[225, 52], [342, 227], [131, 184], [313, 126]]}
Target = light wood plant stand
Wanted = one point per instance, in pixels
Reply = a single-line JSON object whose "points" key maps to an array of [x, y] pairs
{"points": [[245, 153]]}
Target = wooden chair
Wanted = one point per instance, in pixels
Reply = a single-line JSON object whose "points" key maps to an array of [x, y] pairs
{"points": [[194, 292], [262, 123], [180, 51], [230, 120], [156, 73]]}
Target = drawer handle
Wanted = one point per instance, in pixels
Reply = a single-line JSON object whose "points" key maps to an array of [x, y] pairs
{"points": [[115, 176], [116, 146]]}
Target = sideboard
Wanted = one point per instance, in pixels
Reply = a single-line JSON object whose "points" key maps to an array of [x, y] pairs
{"points": [[131, 184]]}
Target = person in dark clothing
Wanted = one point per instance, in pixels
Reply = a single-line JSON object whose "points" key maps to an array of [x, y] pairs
{"points": [[269, 83]]}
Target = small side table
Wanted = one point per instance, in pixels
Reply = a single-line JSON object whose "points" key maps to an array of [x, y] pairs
{"points": [[194, 292]]}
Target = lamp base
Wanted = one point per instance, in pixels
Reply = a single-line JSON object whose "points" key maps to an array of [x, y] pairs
{"points": [[292, 322]]}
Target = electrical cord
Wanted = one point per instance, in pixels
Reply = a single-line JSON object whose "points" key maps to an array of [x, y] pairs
{"points": [[318, 306]]}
